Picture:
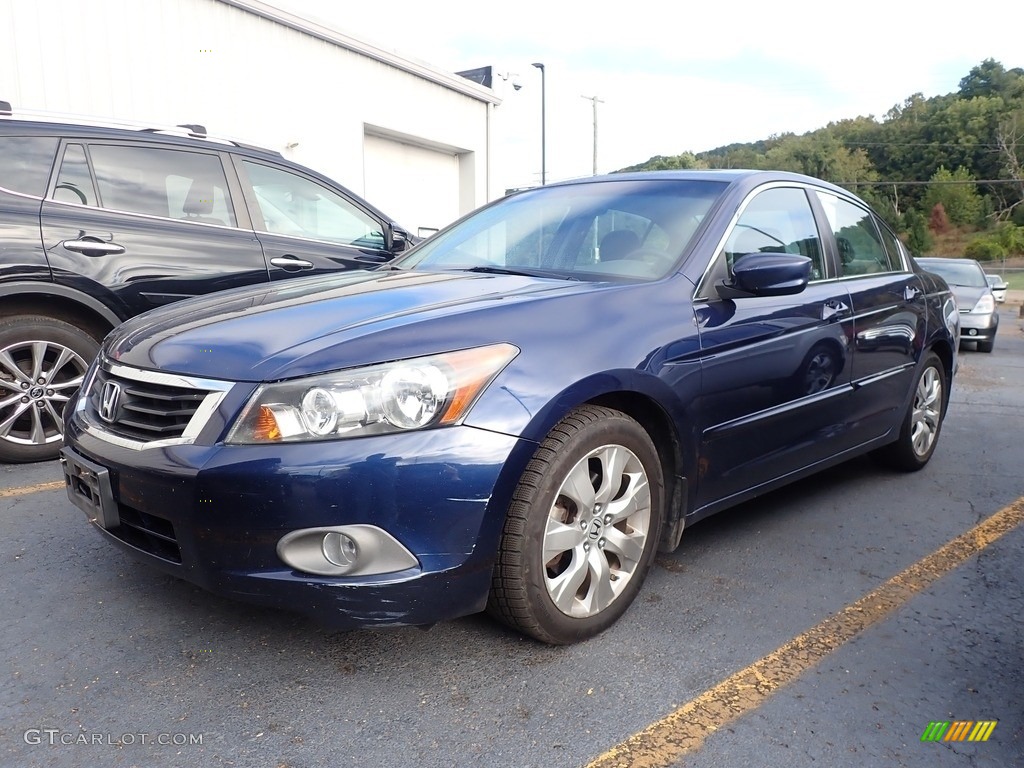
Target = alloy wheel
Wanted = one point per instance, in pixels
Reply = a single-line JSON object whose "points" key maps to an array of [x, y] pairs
{"points": [[37, 378], [596, 531]]}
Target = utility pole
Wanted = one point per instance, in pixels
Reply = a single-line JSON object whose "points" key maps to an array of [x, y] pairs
{"points": [[594, 101]]}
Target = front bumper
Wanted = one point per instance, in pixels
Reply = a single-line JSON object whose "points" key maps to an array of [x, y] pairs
{"points": [[213, 515], [978, 327]]}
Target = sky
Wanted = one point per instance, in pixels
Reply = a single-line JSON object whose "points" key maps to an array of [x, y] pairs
{"points": [[681, 76]]}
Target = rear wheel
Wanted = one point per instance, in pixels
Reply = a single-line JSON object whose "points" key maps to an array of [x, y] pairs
{"points": [[921, 426], [582, 529], [42, 363]]}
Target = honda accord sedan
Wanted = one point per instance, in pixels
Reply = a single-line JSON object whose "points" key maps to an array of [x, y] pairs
{"points": [[518, 414]]}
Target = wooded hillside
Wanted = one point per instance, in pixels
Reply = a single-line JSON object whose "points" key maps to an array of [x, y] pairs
{"points": [[946, 172]]}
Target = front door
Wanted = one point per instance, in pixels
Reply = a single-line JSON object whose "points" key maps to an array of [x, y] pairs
{"points": [[307, 228], [775, 392]]}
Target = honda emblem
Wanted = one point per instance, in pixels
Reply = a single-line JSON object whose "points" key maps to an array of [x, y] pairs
{"points": [[109, 398]]}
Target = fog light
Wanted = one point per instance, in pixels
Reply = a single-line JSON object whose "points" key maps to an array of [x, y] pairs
{"points": [[972, 332], [340, 549], [344, 550]]}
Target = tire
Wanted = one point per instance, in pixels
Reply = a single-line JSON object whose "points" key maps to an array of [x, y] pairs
{"points": [[922, 423], [987, 346], [42, 363], [582, 529]]}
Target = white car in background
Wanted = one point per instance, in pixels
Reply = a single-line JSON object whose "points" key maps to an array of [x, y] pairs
{"points": [[998, 286]]}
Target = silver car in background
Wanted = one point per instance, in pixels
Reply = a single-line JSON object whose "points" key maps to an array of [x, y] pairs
{"points": [[979, 319]]}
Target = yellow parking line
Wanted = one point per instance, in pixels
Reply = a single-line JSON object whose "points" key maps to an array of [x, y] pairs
{"points": [[683, 731], [25, 490]]}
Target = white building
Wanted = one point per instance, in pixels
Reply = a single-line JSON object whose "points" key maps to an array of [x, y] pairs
{"points": [[412, 139]]}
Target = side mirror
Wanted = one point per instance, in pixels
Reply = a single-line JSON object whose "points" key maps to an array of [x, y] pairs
{"points": [[399, 239], [766, 274]]}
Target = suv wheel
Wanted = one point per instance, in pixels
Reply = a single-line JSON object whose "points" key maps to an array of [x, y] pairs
{"points": [[42, 363]]}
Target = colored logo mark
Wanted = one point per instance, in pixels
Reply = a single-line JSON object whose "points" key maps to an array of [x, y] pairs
{"points": [[959, 730]]}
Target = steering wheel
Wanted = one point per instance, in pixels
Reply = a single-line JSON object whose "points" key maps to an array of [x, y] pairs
{"points": [[652, 257], [73, 188]]}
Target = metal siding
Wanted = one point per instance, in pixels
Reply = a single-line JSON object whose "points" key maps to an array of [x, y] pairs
{"points": [[419, 186], [239, 74]]}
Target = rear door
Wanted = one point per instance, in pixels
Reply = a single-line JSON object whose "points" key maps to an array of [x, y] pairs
{"points": [[145, 225], [889, 314], [307, 227]]}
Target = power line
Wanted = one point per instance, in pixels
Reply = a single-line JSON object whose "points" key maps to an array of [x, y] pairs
{"points": [[926, 183]]}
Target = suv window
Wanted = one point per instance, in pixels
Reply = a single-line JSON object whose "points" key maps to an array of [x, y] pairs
{"points": [[74, 184], [169, 183], [26, 163], [860, 246], [293, 205]]}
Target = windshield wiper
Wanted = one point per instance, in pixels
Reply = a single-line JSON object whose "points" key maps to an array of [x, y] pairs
{"points": [[520, 272]]}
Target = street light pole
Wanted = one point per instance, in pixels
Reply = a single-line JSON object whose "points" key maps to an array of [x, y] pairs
{"points": [[543, 126]]}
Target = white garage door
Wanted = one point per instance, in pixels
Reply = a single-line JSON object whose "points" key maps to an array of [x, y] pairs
{"points": [[416, 185]]}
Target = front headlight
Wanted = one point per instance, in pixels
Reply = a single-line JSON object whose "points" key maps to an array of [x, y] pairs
{"points": [[986, 305], [391, 397]]}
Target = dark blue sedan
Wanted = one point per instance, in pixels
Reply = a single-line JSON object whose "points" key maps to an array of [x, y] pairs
{"points": [[517, 415]]}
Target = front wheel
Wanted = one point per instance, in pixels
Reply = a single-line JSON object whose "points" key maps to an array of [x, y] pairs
{"points": [[921, 426], [582, 529]]}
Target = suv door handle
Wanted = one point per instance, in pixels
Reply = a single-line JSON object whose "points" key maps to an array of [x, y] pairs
{"points": [[833, 309], [291, 263], [96, 247]]}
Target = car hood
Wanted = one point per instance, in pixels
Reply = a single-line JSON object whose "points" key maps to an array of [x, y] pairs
{"points": [[294, 328], [967, 296]]}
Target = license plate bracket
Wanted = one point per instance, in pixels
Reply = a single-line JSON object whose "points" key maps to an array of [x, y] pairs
{"points": [[88, 487]]}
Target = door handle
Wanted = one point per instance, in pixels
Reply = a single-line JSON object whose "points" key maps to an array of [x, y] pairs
{"points": [[97, 247], [291, 263], [833, 310], [910, 293]]}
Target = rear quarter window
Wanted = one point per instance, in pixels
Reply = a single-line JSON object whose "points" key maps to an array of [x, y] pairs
{"points": [[25, 163]]}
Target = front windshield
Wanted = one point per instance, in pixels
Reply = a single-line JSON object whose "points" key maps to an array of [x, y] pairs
{"points": [[591, 231], [963, 273]]}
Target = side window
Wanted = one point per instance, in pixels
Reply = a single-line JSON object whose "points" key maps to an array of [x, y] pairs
{"points": [[777, 220], [892, 246], [857, 238], [170, 183], [25, 162], [74, 184], [293, 205]]}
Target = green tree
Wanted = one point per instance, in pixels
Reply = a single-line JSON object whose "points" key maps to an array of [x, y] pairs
{"points": [[957, 194], [990, 78], [919, 239]]}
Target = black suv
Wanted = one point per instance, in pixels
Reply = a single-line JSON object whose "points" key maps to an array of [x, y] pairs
{"points": [[99, 222]]}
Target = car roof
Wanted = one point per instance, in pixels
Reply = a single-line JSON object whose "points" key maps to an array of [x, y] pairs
{"points": [[746, 176], [948, 259]]}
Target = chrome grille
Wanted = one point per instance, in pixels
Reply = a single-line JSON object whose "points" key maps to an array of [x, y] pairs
{"points": [[140, 408]]}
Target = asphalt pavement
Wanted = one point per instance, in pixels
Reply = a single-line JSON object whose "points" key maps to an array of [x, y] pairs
{"points": [[110, 663]]}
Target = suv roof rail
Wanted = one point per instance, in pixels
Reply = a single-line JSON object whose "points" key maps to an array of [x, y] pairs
{"points": [[192, 130]]}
